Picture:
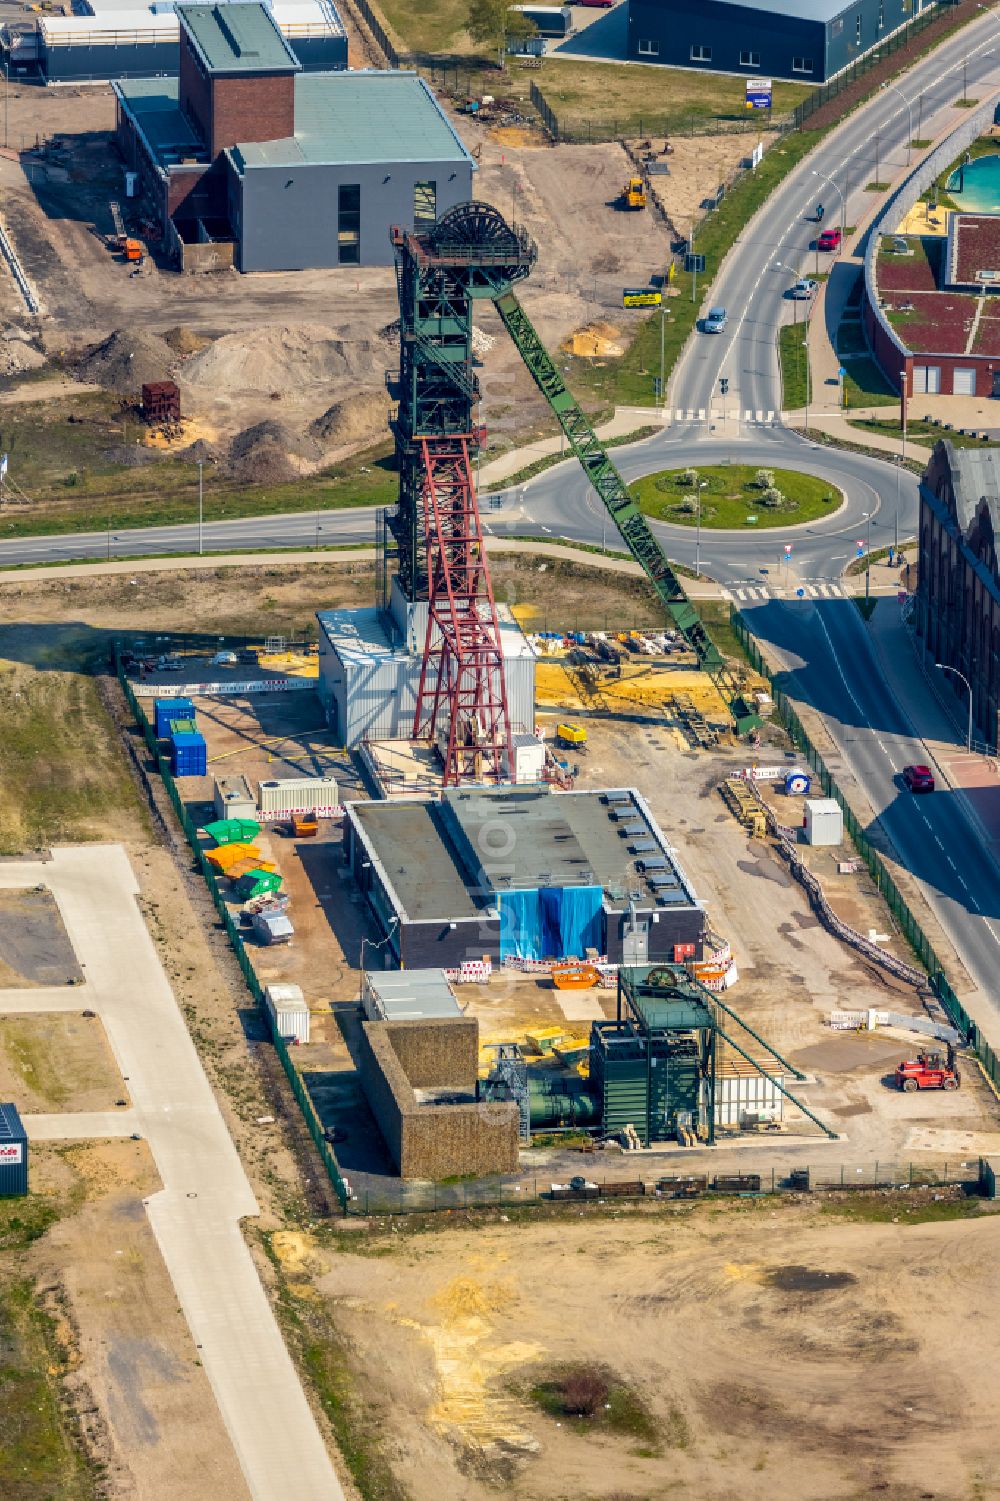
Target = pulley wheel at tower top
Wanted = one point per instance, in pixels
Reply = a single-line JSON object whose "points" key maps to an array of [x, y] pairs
{"points": [[479, 226]]}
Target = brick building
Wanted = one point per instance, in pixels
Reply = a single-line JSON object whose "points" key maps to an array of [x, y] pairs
{"points": [[958, 596], [270, 169]]}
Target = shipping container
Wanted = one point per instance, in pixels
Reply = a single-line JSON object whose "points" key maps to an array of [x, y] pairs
{"points": [[823, 821], [551, 20], [286, 1006], [280, 798], [13, 1153], [741, 1092], [188, 755], [166, 709]]}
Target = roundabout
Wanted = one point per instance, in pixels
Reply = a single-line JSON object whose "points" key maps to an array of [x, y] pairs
{"points": [[736, 497]]}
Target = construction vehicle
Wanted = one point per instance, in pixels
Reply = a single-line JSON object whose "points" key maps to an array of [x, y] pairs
{"points": [[633, 194], [571, 736], [928, 1071]]}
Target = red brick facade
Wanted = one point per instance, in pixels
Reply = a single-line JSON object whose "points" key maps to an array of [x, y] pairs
{"points": [[194, 91]]}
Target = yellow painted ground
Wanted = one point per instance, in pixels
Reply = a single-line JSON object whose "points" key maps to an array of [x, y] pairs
{"points": [[919, 222], [291, 664], [557, 688]]}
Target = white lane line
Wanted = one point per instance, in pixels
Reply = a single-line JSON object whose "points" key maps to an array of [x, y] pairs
{"points": [[951, 862], [938, 842], [881, 745]]}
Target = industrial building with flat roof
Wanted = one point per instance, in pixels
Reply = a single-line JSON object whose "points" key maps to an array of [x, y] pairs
{"points": [[370, 662], [248, 161], [522, 873], [804, 41]]}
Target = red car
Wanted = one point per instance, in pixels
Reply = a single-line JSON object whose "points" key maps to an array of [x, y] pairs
{"points": [[829, 240], [918, 778]]}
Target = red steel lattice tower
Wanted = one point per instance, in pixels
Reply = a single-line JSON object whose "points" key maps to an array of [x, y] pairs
{"points": [[462, 678]]}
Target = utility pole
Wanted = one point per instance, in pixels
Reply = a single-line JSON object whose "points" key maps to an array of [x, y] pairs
{"points": [[201, 506], [868, 561], [663, 304], [694, 263], [805, 348]]}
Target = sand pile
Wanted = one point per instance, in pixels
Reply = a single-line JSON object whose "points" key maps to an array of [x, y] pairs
{"points": [[127, 360], [359, 418], [184, 340], [595, 339], [286, 359], [269, 453]]}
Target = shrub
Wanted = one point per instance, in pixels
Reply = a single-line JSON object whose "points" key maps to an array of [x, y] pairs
{"points": [[688, 477], [772, 498], [763, 479]]}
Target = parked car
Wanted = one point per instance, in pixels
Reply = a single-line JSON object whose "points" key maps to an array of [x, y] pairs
{"points": [[224, 659], [829, 240], [803, 289], [918, 778], [716, 321]]}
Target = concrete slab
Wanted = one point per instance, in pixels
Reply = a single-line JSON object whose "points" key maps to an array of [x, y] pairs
{"points": [[84, 1123], [206, 1192], [58, 998]]}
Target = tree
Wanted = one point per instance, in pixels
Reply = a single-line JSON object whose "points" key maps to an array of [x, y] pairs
{"points": [[491, 22]]}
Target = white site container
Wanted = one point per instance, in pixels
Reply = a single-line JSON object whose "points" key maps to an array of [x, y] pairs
{"points": [[233, 798], [288, 1011], [273, 927], [529, 758], [279, 799], [740, 1091], [823, 821]]}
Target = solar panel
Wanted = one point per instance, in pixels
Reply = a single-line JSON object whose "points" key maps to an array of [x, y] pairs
{"points": [[663, 878], [643, 846], [631, 830], [671, 898], [655, 862]]}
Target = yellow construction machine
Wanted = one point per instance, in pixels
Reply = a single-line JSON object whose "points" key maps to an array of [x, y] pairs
{"points": [[633, 194]]}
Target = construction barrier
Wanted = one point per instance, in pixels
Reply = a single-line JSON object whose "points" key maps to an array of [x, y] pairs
{"points": [[877, 869], [870, 1020], [313, 1123]]}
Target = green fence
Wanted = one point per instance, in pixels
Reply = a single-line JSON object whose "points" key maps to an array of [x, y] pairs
{"points": [[253, 984], [877, 868]]}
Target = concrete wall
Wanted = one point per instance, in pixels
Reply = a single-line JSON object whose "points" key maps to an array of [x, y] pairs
{"points": [[64, 64], [434, 1141], [289, 214]]}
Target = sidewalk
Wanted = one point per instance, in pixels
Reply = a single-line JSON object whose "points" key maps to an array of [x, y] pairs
{"points": [[626, 420]]}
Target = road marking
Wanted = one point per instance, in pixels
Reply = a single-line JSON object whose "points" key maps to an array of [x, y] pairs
{"points": [[725, 593], [938, 842], [547, 529], [881, 746]]}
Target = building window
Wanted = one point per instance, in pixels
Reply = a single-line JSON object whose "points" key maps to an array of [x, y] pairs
{"points": [[349, 226], [649, 49], [749, 59], [701, 54], [857, 28], [802, 64], [424, 204]]}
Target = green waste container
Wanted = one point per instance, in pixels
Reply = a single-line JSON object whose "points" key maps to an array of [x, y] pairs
{"points": [[258, 882], [233, 830]]}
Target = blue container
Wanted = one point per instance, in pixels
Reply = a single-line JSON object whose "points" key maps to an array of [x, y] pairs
{"points": [[13, 1154], [188, 756], [166, 709]]}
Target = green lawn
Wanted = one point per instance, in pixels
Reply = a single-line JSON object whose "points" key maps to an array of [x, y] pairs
{"points": [[68, 458], [794, 361], [729, 495], [429, 26], [925, 434], [866, 386], [601, 100]]}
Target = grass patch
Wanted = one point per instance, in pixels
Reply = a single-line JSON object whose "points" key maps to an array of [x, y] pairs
{"points": [[732, 492], [629, 381], [715, 614], [794, 359], [431, 26], [63, 778], [37, 1459], [866, 607], [876, 187], [921, 143], [68, 457], [872, 1210], [590, 1399], [926, 434], [866, 386], [598, 100], [878, 555]]}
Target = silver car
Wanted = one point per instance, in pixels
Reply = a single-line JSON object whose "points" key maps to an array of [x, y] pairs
{"points": [[716, 321]]}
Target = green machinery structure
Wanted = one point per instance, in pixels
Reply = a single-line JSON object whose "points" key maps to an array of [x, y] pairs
{"points": [[470, 254]]}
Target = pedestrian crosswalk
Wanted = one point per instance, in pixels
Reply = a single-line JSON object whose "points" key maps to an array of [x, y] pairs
{"points": [[764, 591], [754, 418]]}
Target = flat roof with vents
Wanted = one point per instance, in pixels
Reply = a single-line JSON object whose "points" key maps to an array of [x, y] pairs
{"points": [[240, 38], [450, 859]]}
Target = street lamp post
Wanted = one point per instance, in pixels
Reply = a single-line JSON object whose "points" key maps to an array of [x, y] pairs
{"points": [[840, 195], [697, 536], [909, 113], [201, 506], [318, 530], [941, 667], [868, 558]]}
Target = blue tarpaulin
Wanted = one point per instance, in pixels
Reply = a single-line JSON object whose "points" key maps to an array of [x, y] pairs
{"points": [[554, 922]]}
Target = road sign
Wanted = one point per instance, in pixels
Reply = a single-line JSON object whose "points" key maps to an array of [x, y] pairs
{"points": [[788, 549], [842, 372], [800, 594], [758, 93], [641, 297], [860, 546], [694, 262]]}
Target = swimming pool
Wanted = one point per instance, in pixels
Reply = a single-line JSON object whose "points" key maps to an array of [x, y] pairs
{"points": [[976, 187]]}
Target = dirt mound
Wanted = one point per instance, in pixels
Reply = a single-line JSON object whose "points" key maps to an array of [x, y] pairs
{"points": [[360, 418], [200, 451], [184, 340], [287, 359], [269, 453], [17, 355], [127, 360], [595, 339]]}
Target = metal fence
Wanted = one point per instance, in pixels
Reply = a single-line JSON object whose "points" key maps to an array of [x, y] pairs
{"points": [[589, 132], [519, 1193], [378, 31], [253, 984], [877, 868]]}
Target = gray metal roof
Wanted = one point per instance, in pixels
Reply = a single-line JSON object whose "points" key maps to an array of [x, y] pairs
{"points": [[800, 10], [412, 994], [11, 1127], [152, 103], [361, 117], [414, 862], [975, 476], [240, 38]]}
